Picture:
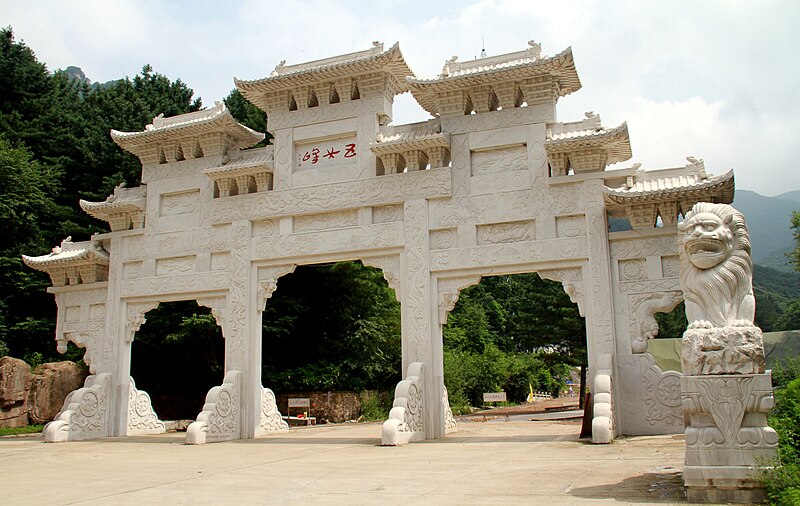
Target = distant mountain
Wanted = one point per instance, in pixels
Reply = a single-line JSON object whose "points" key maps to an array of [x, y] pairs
{"points": [[768, 220], [77, 73], [792, 195]]}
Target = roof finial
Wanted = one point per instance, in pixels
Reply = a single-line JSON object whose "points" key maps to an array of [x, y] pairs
{"points": [[535, 49], [483, 47]]}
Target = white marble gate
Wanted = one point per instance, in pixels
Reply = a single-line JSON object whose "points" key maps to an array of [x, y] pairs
{"points": [[492, 184]]}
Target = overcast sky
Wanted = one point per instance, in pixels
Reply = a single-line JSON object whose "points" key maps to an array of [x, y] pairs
{"points": [[718, 80]]}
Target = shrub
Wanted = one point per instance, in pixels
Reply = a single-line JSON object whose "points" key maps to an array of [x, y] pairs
{"points": [[782, 484]]}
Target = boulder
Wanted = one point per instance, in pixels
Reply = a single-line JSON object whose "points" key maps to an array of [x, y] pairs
{"points": [[51, 384], [15, 380]]}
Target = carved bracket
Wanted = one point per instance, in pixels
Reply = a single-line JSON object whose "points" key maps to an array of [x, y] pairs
{"points": [[217, 305], [136, 317], [449, 290], [405, 419], [572, 281], [268, 281], [220, 419], [84, 415], [643, 307], [390, 266]]}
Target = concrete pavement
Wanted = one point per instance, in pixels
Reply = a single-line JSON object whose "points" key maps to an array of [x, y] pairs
{"points": [[518, 462]]}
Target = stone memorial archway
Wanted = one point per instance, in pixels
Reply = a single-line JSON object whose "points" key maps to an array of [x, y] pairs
{"points": [[492, 184]]}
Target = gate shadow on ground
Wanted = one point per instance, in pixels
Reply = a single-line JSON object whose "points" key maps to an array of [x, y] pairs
{"points": [[649, 488]]}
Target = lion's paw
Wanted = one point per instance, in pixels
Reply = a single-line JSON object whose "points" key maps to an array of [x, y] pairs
{"points": [[741, 323], [700, 324]]}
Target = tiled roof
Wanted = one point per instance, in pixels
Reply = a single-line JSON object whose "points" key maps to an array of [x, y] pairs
{"points": [[690, 185], [68, 253], [615, 140], [498, 69], [252, 158], [193, 123], [122, 200], [328, 69]]}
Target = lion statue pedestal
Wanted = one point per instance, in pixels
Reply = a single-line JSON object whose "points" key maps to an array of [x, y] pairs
{"points": [[725, 390]]}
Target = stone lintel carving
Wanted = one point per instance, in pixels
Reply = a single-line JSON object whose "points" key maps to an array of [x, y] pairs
{"points": [[643, 308], [405, 419], [270, 420], [142, 419], [85, 413], [384, 190], [449, 290], [220, 419]]}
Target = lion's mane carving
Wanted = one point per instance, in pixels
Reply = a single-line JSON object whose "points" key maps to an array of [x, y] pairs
{"points": [[716, 270]]}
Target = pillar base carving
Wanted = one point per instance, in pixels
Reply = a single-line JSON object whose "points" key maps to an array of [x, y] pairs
{"points": [[85, 413], [270, 420], [220, 419], [405, 419], [142, 419], [727, 437]]}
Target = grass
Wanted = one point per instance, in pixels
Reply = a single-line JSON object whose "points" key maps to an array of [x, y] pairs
{"points": [[28, 429]]}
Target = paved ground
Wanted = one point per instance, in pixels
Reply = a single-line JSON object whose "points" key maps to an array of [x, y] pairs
{"points": [[518, 462]]}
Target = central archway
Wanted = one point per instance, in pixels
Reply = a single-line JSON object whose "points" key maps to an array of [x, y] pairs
{"points": [[330, 333]]}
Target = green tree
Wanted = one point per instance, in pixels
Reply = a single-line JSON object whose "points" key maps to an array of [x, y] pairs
{"points": [[247, 114], [794, 255], [331, 327], [26, 310]]}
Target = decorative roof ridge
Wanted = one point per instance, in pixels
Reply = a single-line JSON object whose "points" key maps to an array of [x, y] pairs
{"points": [[492, 69], [689, 180], [566, 137], [69, 252], [335, 62], [217, 114], [407, 136]]}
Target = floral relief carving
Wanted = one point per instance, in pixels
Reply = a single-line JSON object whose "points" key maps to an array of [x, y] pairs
{"points": [[499, 233], [662, 394], [270, 419], [390, 266], [141, 417], [136, 316]]}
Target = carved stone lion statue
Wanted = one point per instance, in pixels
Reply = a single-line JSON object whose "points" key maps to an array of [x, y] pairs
{"points": [[716, 270]]}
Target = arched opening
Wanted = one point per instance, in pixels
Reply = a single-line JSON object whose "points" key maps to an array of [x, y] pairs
{"points": [[177, 355], [665, 347], [331, 334], [517, 334]]}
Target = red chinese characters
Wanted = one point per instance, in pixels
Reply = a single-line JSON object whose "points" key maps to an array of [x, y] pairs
{"points": [[315, 155]]}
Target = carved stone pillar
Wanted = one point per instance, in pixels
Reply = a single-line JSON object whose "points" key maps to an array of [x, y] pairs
{"points": [[725, 391]]}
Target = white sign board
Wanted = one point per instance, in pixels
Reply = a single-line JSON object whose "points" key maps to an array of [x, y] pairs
{"points": [[299, 403], [494, 397]]}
